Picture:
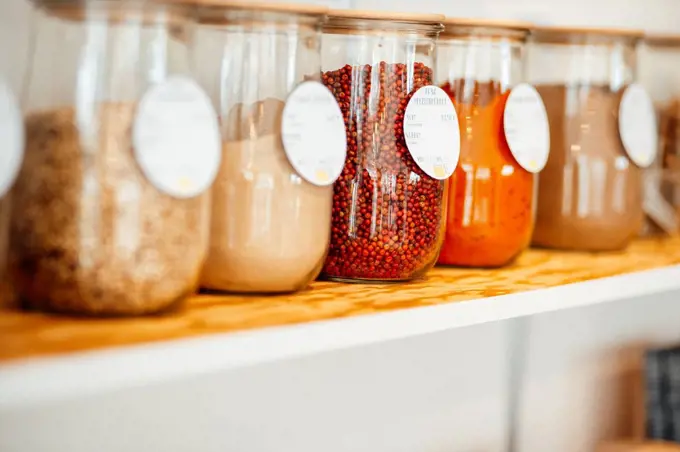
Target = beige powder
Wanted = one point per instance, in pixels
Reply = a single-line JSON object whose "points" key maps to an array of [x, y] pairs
{"points": [[90, 234], [270, 228], [590, 191]]}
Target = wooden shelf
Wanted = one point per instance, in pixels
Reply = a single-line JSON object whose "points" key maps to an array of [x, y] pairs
{"points": [[25, 335], [229, 331]]}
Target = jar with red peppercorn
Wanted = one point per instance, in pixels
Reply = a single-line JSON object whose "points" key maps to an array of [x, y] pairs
{"points": [[388, 203], [504, 142]]}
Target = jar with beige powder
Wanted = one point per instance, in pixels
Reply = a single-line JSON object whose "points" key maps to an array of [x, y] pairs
{"points": [[283, 145], [602, 133], [110, 208]]}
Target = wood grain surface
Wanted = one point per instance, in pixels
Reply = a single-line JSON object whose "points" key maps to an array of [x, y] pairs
{"points": [[31, 334], [641, 446]]}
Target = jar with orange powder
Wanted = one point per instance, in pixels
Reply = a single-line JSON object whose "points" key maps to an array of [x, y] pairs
{"points": [[504, 142]]}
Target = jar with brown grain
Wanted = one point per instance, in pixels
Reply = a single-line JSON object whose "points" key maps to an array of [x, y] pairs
{"points": [[402, 136], [110, 212], [504, 141], [283, 144], [602, 135]]}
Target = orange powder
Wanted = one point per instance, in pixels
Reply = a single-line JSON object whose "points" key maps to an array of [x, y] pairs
{"points": [[491, 198]]}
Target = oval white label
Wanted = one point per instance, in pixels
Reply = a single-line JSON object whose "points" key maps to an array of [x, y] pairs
{"points": [[431, 132], [176, 137], [526, 128], [313, 133], [637, 125], [11, 138]]}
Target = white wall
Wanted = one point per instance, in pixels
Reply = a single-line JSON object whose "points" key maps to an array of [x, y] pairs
{"points": [[649, 15], [442, 392]]}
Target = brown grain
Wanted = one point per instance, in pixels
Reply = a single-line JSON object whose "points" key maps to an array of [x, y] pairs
{"points": [[90, 234]]}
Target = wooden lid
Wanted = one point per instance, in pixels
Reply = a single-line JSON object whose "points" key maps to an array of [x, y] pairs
{"points": [[119, 5], [412, 18], [565, 34], [116, 12], [246, 5], [487, 23], [662, 40]]}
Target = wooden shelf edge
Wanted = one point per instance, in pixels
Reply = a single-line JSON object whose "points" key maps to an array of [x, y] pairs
{"points": [[638, 446], [47, 379]]}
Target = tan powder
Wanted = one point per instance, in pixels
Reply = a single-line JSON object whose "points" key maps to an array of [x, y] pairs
{"points": [[589, 195], [270, 228], [90, 234]]}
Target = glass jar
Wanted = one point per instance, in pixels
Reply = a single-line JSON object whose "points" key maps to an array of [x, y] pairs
{"points": [[12, 72], [589, 194], [388, 214], [270, 226], [491, 198], [111, 208], [659, 69]]}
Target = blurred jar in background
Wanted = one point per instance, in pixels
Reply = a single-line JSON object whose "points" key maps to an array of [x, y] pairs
{"points": [[659, 72], [602, 133]]}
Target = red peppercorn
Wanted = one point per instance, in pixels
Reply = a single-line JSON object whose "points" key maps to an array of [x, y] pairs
{"points": [[387, 213]]}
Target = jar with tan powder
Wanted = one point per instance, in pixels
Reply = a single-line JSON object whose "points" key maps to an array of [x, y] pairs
{"points": [[283, 145], [110, 208], [660, 74], [602, 134]]}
